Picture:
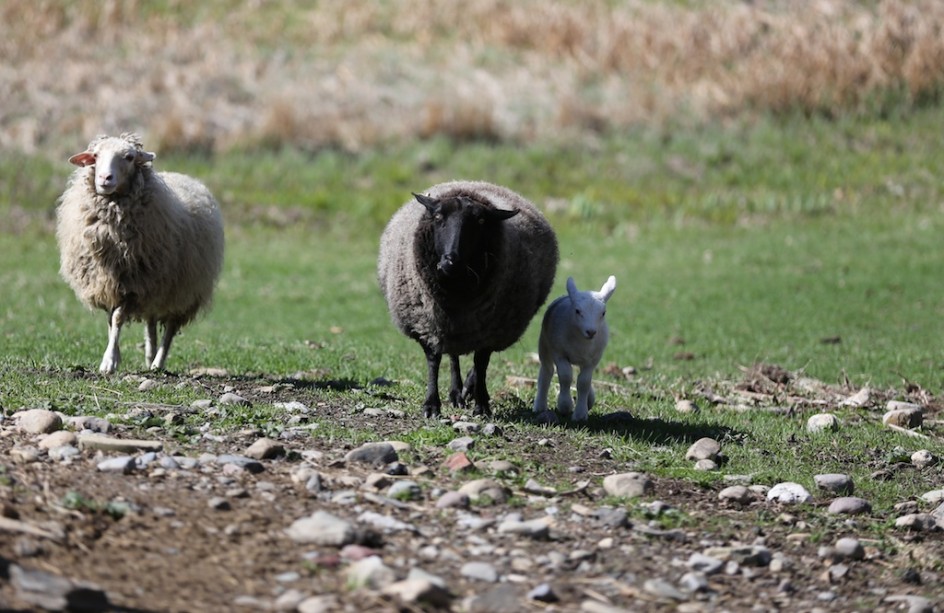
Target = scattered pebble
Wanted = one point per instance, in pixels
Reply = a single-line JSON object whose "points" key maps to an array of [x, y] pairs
{"points": [[479, 571], [849, 505], [627, 485], [375, 454], [904, 418], [822, 422], [37, 421], [789, 493], [834, 483], [703, 449], [264, 449], [229, 398], [322, 528], [736, 493], [923, 458]]}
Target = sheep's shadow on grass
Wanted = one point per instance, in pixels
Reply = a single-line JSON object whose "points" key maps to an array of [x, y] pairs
{"points": [[656, 431]]}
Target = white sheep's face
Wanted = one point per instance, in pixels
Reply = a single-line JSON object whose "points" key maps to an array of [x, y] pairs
{"points": [[589, 308], [114, 160]]}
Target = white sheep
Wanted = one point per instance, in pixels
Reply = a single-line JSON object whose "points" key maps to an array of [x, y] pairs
{"points": [[574, 333], [463, 270], [139, 244]]}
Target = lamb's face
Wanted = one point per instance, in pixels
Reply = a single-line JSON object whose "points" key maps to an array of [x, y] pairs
{"points": [[460, 226], [589, 308], [114, 160]]}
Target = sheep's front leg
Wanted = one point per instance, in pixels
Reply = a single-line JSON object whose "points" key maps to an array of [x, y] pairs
{"points": [[113, 352], [150, 341], [545, 375], [170, 330], [480, 366], [432, 404], [456, 396], [565, 375], [584, 394]]}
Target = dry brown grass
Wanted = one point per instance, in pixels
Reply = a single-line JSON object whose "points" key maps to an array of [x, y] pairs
{"points": [[353, 74]]}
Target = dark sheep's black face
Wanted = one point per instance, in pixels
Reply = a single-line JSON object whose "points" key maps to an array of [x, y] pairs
{"points": [[460, 227]]}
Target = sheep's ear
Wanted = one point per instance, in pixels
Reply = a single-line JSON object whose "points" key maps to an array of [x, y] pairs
{"points": [[608, 288], [86, 158], [431, 204], [500, 214], [571, 288], [144, 157]]}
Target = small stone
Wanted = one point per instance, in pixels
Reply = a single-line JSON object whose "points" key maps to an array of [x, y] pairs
{"points": [[121, 464], [923, 458], [850, 548], [709, 565], [904, 418], [218, 503], [834, 483], [789, 493], [536, 528], [468, 427], [375, 454], [202, 404], [370, 573], [933, 496], [420, 591], [627, 485], [55, 593], [264, 449], [148, 384], [463, 443], [822, 422], [849, 505], [917, 522], [694, 582], [703, 449], [37, 421], [249, 465], [686, 406], [916, 604], [497, 599], [327, 603], [59, 438], [543, 593], [706, 465], [90, 423], [405, 490], [737, 494], [63, 453], [453, 500], [322, 528], [533, 487], [229, 398], [458, 462], [501, 466], [859, 399], [663, 589], [479, 571], [478, 489]]}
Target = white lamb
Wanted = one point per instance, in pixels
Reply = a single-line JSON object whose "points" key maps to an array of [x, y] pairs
{"points": [[139, 244], [574, 332]]}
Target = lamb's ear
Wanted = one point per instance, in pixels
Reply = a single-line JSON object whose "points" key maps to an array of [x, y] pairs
{"points": [[500, 214], [608, 288], [144, 157], [86, 158], [571, 288], [431, 204]]}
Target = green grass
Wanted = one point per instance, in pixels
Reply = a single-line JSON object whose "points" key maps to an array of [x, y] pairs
{"points": [[735, 244]]}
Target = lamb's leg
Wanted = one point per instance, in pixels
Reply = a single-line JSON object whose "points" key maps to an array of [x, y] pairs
{"points": [[150, 341], [565, 375], [455, 385], [170, 330], [432, 404], [545, 375], [584, 394], [113, 352], [480, 365]]}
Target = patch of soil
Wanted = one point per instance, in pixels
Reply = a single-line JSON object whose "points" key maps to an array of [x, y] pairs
{"points": [[160, 539]]}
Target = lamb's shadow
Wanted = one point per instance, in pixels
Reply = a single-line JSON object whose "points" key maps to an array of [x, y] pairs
{"points": [[656, 431]]}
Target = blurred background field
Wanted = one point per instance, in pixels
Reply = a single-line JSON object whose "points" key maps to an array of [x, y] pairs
{"points": [[764, 178]]}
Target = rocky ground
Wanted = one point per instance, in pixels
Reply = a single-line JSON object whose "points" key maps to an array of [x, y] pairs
{"points": [[97, 516]]}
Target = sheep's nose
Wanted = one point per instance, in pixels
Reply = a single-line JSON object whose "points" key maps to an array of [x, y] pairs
{"points": [[446, 264], [590, 333]]}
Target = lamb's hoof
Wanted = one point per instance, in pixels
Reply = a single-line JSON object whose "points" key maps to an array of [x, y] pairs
{"points": [[430, 411], [481, 410], [546, 417], [457, 399]]}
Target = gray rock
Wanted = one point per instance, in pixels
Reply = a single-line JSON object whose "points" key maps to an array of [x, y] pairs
{"points": [[370, 573], [789, 493], [627, 485], [294, 406], [933, 496], [463, 443], [536, 528], [916, 604], [686, 406], [543, 593], [55, 593], [374, 454], [904, 418], [405, 490], [202, 404], [327, 603], [420, 591], [91, 423], [64, 453], [703, 449], [822, 422], [706, 465], [834, 483], [480, 488], [264, 449], [453, 499], [923, 458], [850, 548], [706, 564], [849, 505], [60, 438], [250, 465], [218, 503], [737, 494], [467, 427], [122, 464], [322, 528], [694, 582], [290, 599], [499, 599], [479, 571], [918, 522], [385, 523], [229, 398], [663, 589], [37, 421]]}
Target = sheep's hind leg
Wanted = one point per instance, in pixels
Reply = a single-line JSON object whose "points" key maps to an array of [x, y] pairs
{"points": [[150, 341], [170, 330], [456, 396], [112, 356], [545, 375], [432, 404], [477, 379]]}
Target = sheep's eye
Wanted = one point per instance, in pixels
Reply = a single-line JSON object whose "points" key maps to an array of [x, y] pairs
{"points": [[129, 156], [577, 311], [438, 217], [481, 221]]}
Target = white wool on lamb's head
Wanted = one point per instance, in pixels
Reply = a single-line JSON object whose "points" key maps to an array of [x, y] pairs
{"points": [[590, 307], [115, 159]]}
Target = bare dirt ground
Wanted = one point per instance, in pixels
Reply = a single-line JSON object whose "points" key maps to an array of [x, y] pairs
{"points": [[209, 538]]}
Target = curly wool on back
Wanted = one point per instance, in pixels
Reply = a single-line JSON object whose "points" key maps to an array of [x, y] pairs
{"points": [[150, 250], [493, 309]]}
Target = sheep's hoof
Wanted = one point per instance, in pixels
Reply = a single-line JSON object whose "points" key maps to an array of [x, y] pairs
{"points": [[481, 410], [546, 417], [430, 411]]}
